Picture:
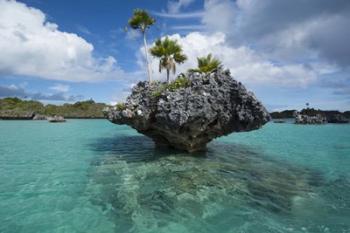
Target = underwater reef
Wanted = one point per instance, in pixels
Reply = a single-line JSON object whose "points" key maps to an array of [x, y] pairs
{"points": [[162, 190]]}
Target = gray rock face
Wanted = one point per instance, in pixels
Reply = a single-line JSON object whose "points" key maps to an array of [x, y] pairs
{"points": [[188, 118], [310, 120], [39, 117], [56, 119], [16, 115]]}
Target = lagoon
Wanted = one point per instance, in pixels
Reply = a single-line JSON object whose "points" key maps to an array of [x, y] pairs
{"points": [[94, 176]]}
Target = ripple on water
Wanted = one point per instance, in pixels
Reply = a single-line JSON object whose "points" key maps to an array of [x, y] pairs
{"points": [[229, 188]]}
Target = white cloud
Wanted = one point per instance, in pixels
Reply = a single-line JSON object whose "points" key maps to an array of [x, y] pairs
{"points": [[60, 87], [175, 6], [189, 15], [133, 34], [285, 30], [220, 16], [20, 92], [191, 27], [246, 65], [32, 46]]}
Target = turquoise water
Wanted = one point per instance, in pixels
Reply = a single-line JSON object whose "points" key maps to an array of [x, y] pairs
{"points": [[93, 176]]}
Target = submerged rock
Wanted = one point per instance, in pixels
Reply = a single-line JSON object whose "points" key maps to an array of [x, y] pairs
{"points": [[229, 183], [279, 121], [189, 117]]}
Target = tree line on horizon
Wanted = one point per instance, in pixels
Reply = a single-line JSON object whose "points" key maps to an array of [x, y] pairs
{"points": [[168, 51], [13, 107]]}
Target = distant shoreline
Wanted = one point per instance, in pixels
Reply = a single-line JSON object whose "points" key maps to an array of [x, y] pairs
{"points": [[67, 118], [18, 109], [308, 111]]}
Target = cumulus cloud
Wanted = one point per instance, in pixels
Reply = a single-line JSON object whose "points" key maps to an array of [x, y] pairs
{"points": [[289, 43], [285, 30], [20, 92], [32, 46], [220, 15], [245, 64], [288, 31]]}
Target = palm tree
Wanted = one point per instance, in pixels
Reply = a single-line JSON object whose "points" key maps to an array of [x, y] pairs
{"points": [[142, 21], [207, 64], [169, 52]]}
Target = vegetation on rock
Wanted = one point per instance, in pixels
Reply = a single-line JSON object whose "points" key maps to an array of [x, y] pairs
{"points": [[331, 116], [188, 118], [142, 21], [120, 106], [169, 53], [207, 64], [23, 109], [283, 114], [180, 82]]}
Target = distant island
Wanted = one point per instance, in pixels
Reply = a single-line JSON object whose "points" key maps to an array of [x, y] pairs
{"points": [[18, 109], [331, 116]]}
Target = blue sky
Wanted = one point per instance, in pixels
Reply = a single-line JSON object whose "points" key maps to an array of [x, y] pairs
{"points": [[287, 52]]}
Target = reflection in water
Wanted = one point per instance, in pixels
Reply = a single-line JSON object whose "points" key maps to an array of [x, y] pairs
{"points": [[228, 188]]}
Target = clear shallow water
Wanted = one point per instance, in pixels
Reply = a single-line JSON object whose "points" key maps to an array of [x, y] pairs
{"points": [[93, 176]]}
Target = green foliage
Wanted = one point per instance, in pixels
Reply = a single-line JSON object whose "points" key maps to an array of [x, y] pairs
{"points": [[120, 106], [347, 114], [283, 114], [141, 20], [81, 109], [169, 53], [20, 105], [207, 64], [180, 82], [160, 89], [311, 112]]}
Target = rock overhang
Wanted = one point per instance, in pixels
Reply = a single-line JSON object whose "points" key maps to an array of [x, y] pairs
{"points": [[187, 118]]}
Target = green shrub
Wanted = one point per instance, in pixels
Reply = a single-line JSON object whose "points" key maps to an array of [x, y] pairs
{"points": [[160, 89], [120, 106], [207, 64], [181, 82]]}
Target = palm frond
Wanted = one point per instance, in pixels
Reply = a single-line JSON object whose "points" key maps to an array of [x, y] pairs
{"points": [[208, 64], [169, 52], [180, 58], [141, 20]]}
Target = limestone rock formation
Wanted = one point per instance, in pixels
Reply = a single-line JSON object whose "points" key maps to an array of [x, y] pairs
{"points": [[56, 119], [310, 120], [39, 117], [16, 115], [188, 117]]}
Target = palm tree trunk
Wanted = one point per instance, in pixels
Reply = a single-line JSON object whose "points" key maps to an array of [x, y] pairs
{"points": [[147, 61], [168, 75]]}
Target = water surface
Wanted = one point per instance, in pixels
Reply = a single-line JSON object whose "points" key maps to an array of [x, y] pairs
{"points": [[93, 176]]}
